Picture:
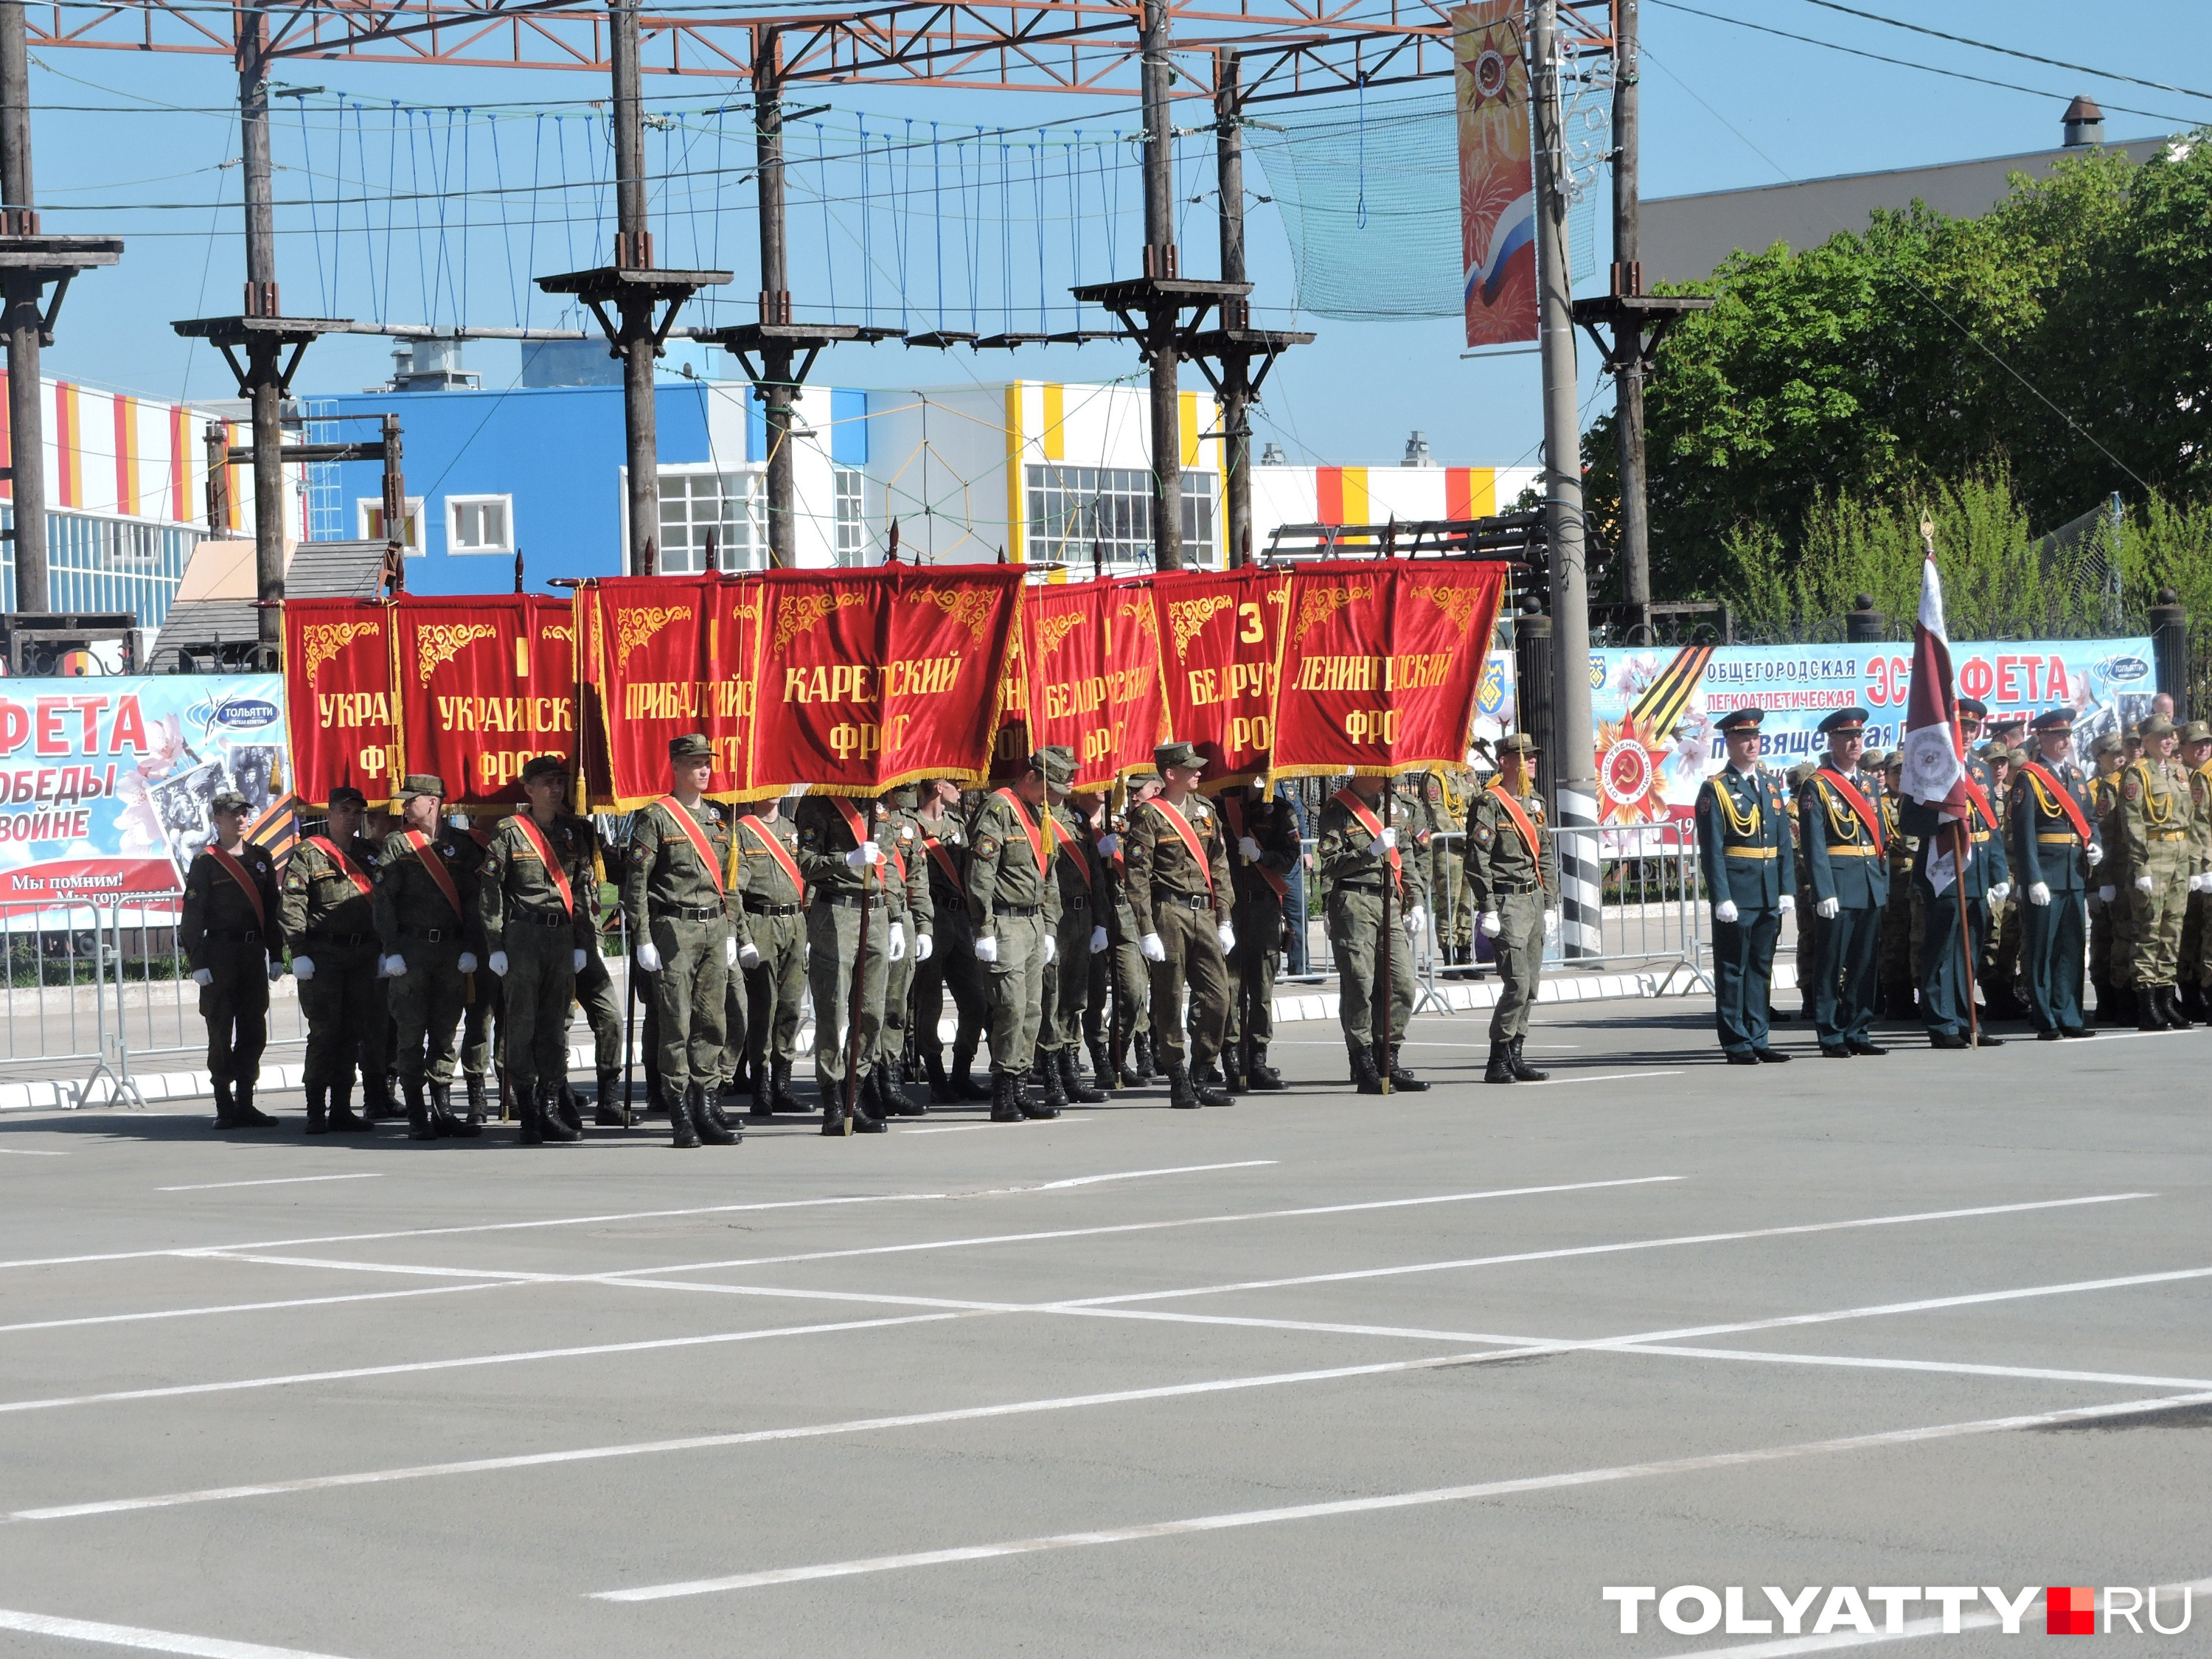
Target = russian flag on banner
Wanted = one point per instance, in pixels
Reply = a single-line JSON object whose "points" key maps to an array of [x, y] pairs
{"points": [[1935, 753]]}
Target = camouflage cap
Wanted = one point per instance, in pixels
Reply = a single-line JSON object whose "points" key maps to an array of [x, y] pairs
{"points": [[1142, 780], [1056, 763], [422, 783], [1518, 743], [2020, 758], [229, 800], [2157, 726], [544, 766], [907, 797], [1894, 761], [1802, 774], [2110, 744], [692, 745], [346, 795], [2196, 732], [1183, 755]]}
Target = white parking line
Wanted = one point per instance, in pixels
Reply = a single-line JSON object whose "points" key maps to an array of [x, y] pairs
{"points": [[26, 1151], [280, 1181], [240, 1307], [1394, 1500], [153, 1640]]}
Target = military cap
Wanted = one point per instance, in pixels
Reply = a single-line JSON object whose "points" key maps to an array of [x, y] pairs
{"points": [[1177, 754], [346, 795], [1994, 750], [2019, 756], [2055, 719], [1972, 709], [1140, 780], [2007, 722], [1519, 743], [423, 783], [1056, 763], [907, 797], [1741, 719], [230, 800], [543, 766], [2158, 726], [2196, 732], [2110, 744], [1894, 761], [692, 745], [1802, 774], [1845, 720]]}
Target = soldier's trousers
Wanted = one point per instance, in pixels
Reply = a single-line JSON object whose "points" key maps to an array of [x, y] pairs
{"points": [[1743, 978], [595, 992], [1016, 989], [1447, 896], [2051, 960], [479, 1016], [1898, 946], [540, 983], [1943, 992], [235, 1006], [1355, 929], [2193, 946], [951, 966], [1519, 950], [688, 994], [775, 990], [426, 1007], [1258, 930], [1841, 968], [833, 941], [2154, 924], [1997, 973], [341, 1003], [1193, 941], [1810, 926], [1119, 972], [898, 985], [1070, 975], [736, 1038]]}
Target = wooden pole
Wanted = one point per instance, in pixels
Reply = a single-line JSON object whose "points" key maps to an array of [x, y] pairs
{"points": [[1382, 1003], [857, 1000], [1964, 848]]}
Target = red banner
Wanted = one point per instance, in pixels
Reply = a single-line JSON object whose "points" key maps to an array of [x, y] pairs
{"points": [[342, 708], [1221, 632], [1134, 692], [1381, 665], [1065, 651], [663, 656], [1011, 749], [872, 678], [480, 693]]}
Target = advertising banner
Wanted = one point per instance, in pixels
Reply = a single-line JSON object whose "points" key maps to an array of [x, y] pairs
{"points": [[344, 724], [1223, 632], [106, 782], [1497, 180], [482, 693], [1654, 709]]}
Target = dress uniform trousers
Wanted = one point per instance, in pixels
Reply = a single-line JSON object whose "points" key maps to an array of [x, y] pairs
{"points": [[1943, 991], [540, 985], [1355, 927], [1015, 984], [833, 941], [2051, 952], [688, 997], [235, 1006], [1191, 939], [426, 1005], [1743, 977], [1845, 954], [1519, 952]]}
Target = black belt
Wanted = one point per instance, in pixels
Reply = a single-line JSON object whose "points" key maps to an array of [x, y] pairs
{"points": [[341, 938], [434, 934], [762, 908], [1196, 901], [688, 912], [243, 935], [1017, 909], [543, 918], [1516, 887], [844, 900]]}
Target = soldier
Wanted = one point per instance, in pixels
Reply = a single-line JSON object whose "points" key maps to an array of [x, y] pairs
{"points": [[1013, 910], [2196, 960], [595, 994], [841, 853], [426, 918], [912, 922], [951, 965], [2107, 952], [1839, 817], [229, 918], [1996, 972], [537, 935], [1809, 921], [1513, 888], [1179, 890], [2052, 847], [1137, 1063], [1370, 869], [1749, 865], [1451, 790], [689, 929], [1264, 832], [1900, 939], [2149, 837], [1946, 963], [772, 893], [480, 1011], [329, 921], [1078, 935]]}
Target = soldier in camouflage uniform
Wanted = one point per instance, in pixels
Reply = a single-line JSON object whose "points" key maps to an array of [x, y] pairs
{"points": [[533, 902], [912, 922], [426, 918], [2148, 838], [841, 853], [329, 923], [689, 929], [228, 922], [602, 1006], [480, 1011], [1179, 889], [772, 893], [1373, 870], [1124, 974], [1078, 934], [2107, 757], [1013, 908], [1513, 890], [951, 963], [1263, 837]]}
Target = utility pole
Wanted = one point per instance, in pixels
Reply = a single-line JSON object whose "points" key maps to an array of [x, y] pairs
{"points": [[1628, 378], [266, 390], [1160, 262], [1235, 392], [776, 393]]}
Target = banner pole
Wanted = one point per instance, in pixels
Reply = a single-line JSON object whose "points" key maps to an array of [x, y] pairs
{"points": [[1109, 887], [1965, 933], [856, 1001], [1384, 944]]}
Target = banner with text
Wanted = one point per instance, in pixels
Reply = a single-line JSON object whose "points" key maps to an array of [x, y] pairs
{"points": [[1223, 631], [663, 656], [486, 684], [343, 706]]}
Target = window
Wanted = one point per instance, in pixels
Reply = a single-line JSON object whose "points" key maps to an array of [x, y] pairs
{"points": [[852, 517], [732, 507], [368, 512], [1072, 506], [478, 524]]}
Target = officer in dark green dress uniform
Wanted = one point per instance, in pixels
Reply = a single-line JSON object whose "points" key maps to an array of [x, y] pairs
{"points": [[1944, 988], [2052, 848], [1846, 856], [1751, 880], [228, 922], [329, 923]]}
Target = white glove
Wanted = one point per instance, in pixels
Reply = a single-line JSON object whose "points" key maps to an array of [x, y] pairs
{"points": [[1827, 909], [1383, 843], [924, 945], [2096, 852], [748, 956], [203, 976], [2039, 894], [867, 852], [2144, 884], [2107, 895], [303, 968], [1227, 936], [1416, 919], [2194, 882], [897, 951], [467, 963], [1153, 950], [1551, 923], [1108, 844], [1249, 849], [1492, 924], [729, 955], [1098, 940], [2000, 891], [648, 955], [987, 949], [1051, 948], [1789, 903], [498, 964], [275, 970], [393, 967], [1724, 911]]}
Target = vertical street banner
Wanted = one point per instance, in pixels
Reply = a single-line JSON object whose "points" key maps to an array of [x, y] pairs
{"points": [[1497, 179], [1220, 632], [657, 664], [1383, 665], [1134, 694], [341, 703], [867, 679], [480, 695], [1065, 651]]}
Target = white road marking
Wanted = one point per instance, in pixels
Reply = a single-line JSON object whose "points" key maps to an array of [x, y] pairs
{"points": [[1598, 1077], [280, 1181], [1879, 1441], [239, 1307], [153, 1641], [951, 1128], [1948, 1368], [25, 1151], [1913, 1629], [1137, 1175]]}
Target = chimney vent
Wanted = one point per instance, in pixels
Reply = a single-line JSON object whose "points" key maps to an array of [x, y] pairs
{"points": [[2084, 123]]}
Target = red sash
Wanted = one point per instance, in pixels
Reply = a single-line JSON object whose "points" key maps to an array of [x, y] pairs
{"points": [[1234, 810], [246, 883], [421, 846], [1858, 802], [1159, 804], [2037, 770], [544, 849], [1519, 814], [345, 865], [1981, 801], [777, 851], [697, 837], [1373, 825], [942, 860], [1034, 832]]}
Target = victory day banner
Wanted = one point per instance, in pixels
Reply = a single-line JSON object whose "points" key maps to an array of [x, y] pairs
{"points": [[1497, 180], [482, 693], [1654, 710], [1383, 665], [1221, 631], [338, 689], [1134, 696], [870, 678], [662, 656], [1064, 658]]}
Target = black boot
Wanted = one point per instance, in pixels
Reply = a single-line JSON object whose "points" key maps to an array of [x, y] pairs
{"points": [[552, 1122], [963, 1079], [479, 1098], [1500, 1069], [2150, 1008], [1364, 1076], [2104, 990], [1103, 1071], [344, 1119], [1523, 1071], [1055, 1099], [891, 1097], [442, 1118], [1181, 1094], [762, 1109], [1128, 1069], [1072, 1086], [611, 1110], [318, 1119], [714, 1128], [867, 1106], [1005, 1097], [780, 1087], [941, 1091], [1148, 1067], [682, 1131], [242, 1111], [376, 1099], [1259, 1074], [533, 1125], [1233, 1069], [418, 1116], [568, 1110], [222, 1106], [1405, 1081], [2176, 1020]]}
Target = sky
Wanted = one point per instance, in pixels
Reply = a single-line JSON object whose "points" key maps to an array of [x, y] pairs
{"points": [[137, 145]]}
